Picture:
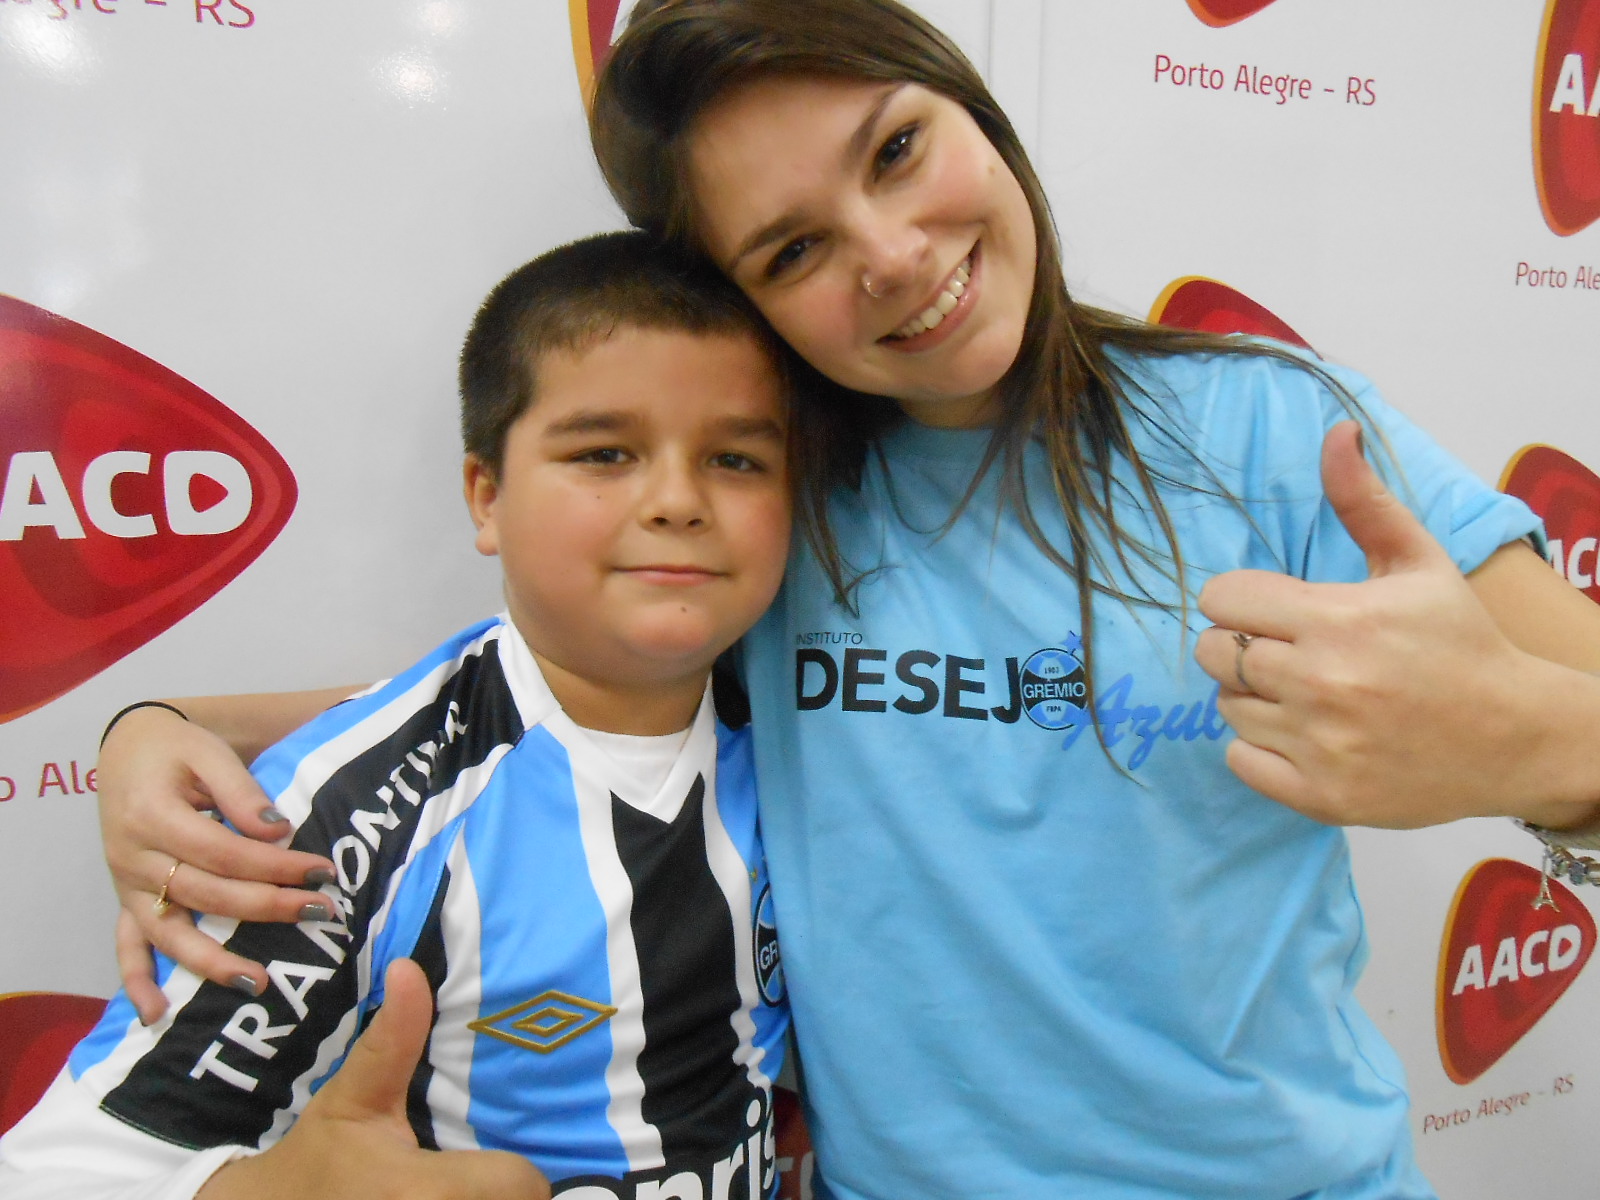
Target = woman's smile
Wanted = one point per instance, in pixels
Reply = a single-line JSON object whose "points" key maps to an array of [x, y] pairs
{"points": [[942, 315]]}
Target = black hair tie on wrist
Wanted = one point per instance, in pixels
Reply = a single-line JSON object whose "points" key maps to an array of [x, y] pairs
{"points": [[138, 704]]}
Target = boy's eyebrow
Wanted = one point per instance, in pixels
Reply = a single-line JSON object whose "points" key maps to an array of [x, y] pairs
{"points": [[854, 149], [591, 421], [749, 427]]}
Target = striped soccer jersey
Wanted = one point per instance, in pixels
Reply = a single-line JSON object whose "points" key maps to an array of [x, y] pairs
{"points": [[609, 998]]}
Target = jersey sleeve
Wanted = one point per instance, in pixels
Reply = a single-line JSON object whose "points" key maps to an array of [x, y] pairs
{"points": [[66, 1148]]}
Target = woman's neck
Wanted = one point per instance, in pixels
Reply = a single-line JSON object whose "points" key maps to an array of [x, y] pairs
{"points": [[967, 412]]}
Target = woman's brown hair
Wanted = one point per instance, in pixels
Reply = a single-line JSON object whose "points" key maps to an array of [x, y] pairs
{"points": [[1065, 388]]}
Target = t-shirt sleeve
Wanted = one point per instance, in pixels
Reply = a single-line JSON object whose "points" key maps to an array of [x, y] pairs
{"points": [[1468, 517]]}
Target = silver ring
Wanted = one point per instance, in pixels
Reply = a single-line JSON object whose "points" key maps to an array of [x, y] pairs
{"points": [[1241, 640], [866, 285]]}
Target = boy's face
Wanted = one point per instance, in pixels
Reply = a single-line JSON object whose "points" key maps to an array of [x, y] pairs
{"points": [[641, 512]]}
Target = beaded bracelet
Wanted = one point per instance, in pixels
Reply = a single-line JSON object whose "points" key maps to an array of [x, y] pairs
{"points": [[138, 704]]}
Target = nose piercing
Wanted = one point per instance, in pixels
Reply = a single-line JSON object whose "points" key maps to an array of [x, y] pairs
{"points": [[870, 288]]}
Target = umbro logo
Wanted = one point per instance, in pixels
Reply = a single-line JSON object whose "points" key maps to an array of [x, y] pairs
{"points": [[547, 1022]]}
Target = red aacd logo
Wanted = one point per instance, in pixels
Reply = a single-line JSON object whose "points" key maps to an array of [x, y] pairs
{"points": [[1195, 302], [1503, 962], [1566, 495], [1218, 13], [130, 497], [1566, 115], [593, 23]]}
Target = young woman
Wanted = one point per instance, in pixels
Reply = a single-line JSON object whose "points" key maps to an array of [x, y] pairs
{"points": [[1047, 930]]}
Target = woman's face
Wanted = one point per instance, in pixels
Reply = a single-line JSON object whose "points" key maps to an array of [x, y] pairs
{"points": [[811, 191]]}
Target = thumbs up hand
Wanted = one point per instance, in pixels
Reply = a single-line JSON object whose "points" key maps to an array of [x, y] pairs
{"points": [[1391, 702], [353, 1140]]}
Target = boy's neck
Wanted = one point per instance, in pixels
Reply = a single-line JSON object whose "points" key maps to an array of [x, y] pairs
{"points": [[661, 708]]}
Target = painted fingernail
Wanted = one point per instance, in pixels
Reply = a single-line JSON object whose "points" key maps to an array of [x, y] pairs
{"points": [[313, 912], [272, 816], [245, 984], [318, 876]]}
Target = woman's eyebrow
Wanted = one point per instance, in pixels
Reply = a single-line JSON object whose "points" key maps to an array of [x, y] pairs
{"points": [[861, 140], [855, 148]]}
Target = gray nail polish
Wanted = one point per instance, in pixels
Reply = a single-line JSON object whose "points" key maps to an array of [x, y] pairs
{"points": [[314, 912], [318, 876], [243, 983], [272, 816]]}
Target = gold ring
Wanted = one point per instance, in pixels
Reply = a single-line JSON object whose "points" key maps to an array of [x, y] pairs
{"points": [[1242, 640], [161, 903]]}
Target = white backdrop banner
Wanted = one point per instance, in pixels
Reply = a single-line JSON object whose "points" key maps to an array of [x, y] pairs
{"points": [[243, 241]]}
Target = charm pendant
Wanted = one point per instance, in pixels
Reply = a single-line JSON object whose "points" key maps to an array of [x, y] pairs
{"points": [[1545, 899]]}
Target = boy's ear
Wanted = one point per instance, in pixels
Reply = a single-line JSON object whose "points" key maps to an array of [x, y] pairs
{"points": [[481, 487]]}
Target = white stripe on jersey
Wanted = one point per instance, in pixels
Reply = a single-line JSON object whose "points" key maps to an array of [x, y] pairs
{"points": [[179, 989], [641, 1141], [438, 814], [728, 868], [459, 1003]]}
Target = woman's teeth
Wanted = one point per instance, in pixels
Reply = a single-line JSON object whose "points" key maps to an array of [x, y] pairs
{"points": [[933, 316]]}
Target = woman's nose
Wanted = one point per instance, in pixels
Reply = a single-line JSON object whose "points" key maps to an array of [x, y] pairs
{"points": [[892, 252]]}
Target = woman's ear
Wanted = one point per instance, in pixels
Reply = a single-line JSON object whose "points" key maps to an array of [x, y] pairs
{"points": [[481, 487]]}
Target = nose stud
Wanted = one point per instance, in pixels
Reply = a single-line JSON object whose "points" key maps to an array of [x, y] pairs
{"points": [[876, 291]]}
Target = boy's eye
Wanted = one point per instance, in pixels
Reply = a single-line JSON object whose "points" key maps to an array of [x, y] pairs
{"points": [[732, 460], [604, 456], [897, 147]]}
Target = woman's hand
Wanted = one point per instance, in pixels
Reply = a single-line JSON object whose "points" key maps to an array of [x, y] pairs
{"points": [[353, 1140], [1418, 696], [159, 779]]}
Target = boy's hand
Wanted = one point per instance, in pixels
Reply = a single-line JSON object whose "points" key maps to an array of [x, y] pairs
{"points": [[353, 1140]]}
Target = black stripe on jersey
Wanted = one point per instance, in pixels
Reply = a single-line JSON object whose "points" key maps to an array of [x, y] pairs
{"points": [[694, 1093], [228, 1063], [429, 953]]}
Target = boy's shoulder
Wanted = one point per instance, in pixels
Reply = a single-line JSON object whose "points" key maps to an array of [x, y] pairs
{"points": [[478, 689]]}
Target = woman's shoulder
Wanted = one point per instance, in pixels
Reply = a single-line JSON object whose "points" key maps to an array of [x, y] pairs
{"points": [[1261, 372]]}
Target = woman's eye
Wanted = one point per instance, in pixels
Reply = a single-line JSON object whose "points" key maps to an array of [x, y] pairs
{"points": [[785, 258], [897, 147]]}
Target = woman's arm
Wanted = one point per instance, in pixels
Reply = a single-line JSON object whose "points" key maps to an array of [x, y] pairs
{"points": [[160, 779], [1418, 696]]}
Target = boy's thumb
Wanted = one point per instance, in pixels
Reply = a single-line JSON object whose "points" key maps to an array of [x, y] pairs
{"points": [[374, 1077], [1389, 535]]}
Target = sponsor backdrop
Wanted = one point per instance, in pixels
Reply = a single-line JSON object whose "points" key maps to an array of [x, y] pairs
{"points": [[242, 241]]}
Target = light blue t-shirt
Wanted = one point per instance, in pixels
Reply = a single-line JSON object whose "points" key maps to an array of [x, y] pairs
{"points": [[1021, 967]]}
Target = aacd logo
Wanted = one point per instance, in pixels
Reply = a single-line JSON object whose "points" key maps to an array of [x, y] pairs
{"points": [[594, 27], [1566, 115], [1218, 13], [1195, 302], [1566, 495], [129, 498], [1503, 962]]}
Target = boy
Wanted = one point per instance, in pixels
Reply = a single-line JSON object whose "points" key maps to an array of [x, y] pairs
{"points": [[544, 814]]}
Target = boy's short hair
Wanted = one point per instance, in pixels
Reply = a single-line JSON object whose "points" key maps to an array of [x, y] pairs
{"points": [[570, 298]]}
